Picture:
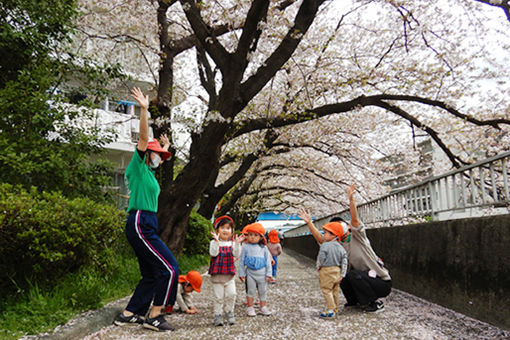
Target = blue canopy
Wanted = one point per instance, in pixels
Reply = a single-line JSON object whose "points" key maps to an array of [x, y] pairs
{"points": [[273, 216]]}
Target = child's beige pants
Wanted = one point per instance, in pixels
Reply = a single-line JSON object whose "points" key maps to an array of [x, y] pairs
{"points": [[329, 278], [224, 297]]}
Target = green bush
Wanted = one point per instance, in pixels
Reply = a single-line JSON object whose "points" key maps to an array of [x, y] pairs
{"points": [[40, 309], [45, 236], [198, 235]]}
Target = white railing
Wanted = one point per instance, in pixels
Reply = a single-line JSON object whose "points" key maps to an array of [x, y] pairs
{"points": [[475, 190]]}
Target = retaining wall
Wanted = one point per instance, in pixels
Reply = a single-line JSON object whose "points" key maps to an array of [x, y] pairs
{"points": [[461, 264]]}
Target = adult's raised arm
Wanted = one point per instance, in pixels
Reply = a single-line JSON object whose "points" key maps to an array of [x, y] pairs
{"points": [[304, 214], [355, 222], [143, 101]]}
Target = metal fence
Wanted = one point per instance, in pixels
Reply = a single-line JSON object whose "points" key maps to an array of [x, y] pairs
{"points": [[475, 190]]}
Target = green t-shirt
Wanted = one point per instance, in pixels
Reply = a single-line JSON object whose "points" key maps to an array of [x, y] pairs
{"points": [[143, 185]]}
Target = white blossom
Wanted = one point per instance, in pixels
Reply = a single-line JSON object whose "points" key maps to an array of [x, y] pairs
{"points": [[214, 116], [186, 7]]}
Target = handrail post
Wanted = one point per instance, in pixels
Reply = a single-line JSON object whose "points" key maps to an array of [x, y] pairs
{"points": [[505, 179]]}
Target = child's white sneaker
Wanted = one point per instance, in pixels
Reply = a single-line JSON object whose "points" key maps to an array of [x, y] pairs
{"points": [[251, 311], [265, 311]]}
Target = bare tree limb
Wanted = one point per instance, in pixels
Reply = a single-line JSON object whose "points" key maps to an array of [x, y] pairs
{"points": [[249, 38], [206, 36], [504, 5], [282, 53]]}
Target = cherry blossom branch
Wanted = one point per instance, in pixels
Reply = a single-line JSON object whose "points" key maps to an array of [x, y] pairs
{"points": [[282, 189], [359, 102], [456, 161], [437, 103]]}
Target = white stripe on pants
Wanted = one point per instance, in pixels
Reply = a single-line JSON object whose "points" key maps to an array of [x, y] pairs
{"points": [[224, 296]]}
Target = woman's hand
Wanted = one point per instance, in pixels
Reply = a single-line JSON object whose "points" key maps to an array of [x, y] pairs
{"points": [[355, 222], [165, 141], [142, 100], [143, 134], [241, 278], [304, 214], [268, 278]]}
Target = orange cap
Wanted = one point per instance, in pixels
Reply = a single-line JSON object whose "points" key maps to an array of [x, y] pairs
{"points": [[193, 278], [337, 228], [244, 231], [256, 228], [273, 236]]}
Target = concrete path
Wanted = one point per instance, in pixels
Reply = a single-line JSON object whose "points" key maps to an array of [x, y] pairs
{"points": [[296, 302]]}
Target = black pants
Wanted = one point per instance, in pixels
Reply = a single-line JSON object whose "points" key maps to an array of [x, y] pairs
{"points": [[158, 266], [358, 287]]}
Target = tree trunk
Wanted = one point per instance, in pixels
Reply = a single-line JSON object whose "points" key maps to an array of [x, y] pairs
{"points": [[178, 198], [208, 204]]}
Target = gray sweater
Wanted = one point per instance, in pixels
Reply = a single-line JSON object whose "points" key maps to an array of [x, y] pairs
{"points": [[332, 254]]}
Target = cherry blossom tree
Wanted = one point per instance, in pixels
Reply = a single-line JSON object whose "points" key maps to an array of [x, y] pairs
{"points": [[333, 81]]}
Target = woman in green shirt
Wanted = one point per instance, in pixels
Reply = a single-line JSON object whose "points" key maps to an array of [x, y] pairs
{"points": [[158, 266]]}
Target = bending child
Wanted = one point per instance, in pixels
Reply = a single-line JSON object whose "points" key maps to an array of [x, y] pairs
{"points": [[223, 248], [188, 284], [255, 267]]}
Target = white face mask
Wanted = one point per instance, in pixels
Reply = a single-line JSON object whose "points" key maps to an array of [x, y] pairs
{"points": [[154, 162]]}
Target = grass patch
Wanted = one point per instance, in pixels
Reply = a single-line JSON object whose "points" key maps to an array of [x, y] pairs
{"points": [[192, 262], [36, 310]]}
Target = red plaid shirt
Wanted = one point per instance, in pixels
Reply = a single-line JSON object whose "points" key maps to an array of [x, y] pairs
{"points": [[223, 263]]}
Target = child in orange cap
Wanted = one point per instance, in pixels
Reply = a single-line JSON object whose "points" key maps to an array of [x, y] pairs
{"points": [[275, 248], [188, 284], [223, 249], [331, 261], [255, 267]]}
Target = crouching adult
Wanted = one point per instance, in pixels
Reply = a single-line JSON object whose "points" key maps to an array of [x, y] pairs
{"points": [[367, 279]]}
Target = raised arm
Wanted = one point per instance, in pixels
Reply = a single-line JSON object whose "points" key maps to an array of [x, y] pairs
{"points": [[355, 222], [143, 101], [304, 214]]}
